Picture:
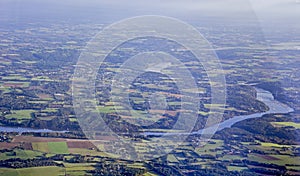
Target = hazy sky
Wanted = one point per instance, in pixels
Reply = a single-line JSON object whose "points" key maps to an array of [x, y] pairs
{"points": [[284, 10]]}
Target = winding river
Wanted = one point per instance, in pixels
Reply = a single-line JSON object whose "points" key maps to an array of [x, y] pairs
{"points": [[262, 95]]}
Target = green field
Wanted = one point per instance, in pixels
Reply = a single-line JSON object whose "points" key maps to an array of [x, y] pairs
{"points": [[203, 113], [38, 102], [267, 144], [20, 114], [286, 159], [277, 159], [172, 158], [40, 146], [34, 171], [236, 168], [41, 78], [284, 124], [149, 174], [5, 89], [19, 84], [51, 147], [78, 169], [22, 154], [79, 166], [50, 110], [108, 109], [206, 149], [73, 119], [137, 165], [58, 147], [14, 77], [90, 152], [232, 157]]}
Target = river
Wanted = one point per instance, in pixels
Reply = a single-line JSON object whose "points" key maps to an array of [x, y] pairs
{"points": [[262, 95], [27, 130]]}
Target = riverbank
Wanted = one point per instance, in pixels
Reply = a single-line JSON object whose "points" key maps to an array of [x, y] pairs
{"points": [[262, 95]]}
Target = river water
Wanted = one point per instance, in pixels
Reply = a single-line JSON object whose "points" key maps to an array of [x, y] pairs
{"points": [[27, 130], [262, 95]]}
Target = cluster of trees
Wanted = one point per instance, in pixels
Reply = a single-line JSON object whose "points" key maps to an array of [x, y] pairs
{"points": [[55, 60], [13, 101], [19, 163], [265, 168], [4, 137], [116, 169], [163, 169], [260, 129], [243, 98]]}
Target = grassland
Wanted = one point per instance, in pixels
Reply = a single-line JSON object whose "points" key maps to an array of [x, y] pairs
{"points": [[267, 144], [50, 110], [16, 84], [284, 124], [87, 152], [236, 168], [42, 78], [51, 147], [58, 147], [14, 77], [232, 157], [275, 159], [40, 146], [78, 168], [108, 109], [150, 174], [20, 114], [172, 159], [208, 148], [22, 154], [34, 171]]}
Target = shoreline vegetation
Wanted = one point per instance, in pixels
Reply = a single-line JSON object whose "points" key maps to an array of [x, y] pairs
{"points": [[262, 95]]}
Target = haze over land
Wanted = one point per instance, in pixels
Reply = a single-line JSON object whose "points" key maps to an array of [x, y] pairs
{"points": [[258, 46]]}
